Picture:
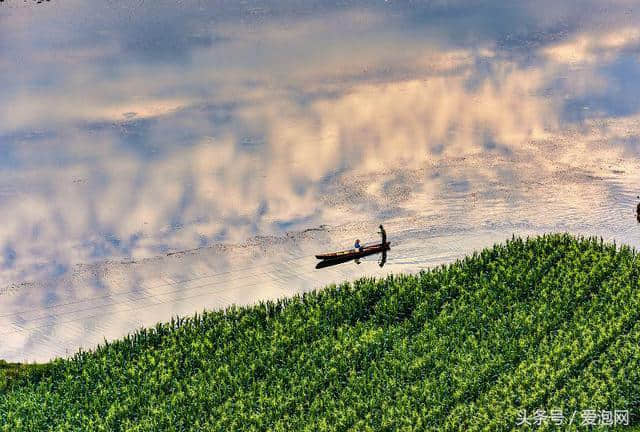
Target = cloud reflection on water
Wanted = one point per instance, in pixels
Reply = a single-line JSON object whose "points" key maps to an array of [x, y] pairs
{"points": [[194, 130]]}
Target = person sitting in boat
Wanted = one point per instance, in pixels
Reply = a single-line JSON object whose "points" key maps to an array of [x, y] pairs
{"points": [[358, 246]]}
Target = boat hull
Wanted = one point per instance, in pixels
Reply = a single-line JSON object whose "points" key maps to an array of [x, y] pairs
{"points": [[353, 253]]}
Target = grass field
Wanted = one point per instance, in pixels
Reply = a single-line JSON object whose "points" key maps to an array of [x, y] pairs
{"points": [[550, 323], [12, 373]]}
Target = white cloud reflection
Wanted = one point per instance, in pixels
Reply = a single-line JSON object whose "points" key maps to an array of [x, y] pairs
{"points": [[297, 123], [596, 47]]}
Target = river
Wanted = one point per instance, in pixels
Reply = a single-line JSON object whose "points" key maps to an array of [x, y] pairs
{"points": [[161, 158]]}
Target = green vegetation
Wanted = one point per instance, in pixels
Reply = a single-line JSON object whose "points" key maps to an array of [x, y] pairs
{"points": [[545, 323], [18, 372], [10, 371]]}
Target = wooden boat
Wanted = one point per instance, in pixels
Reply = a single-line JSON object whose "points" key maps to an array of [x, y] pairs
{"points": [[350, 254], [332, 262]]}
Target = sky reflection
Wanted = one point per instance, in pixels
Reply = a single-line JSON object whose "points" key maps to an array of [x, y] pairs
{"points": [[131, 132]]}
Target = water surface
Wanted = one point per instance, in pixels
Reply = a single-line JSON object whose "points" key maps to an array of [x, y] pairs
{"points": [[158, 158]]}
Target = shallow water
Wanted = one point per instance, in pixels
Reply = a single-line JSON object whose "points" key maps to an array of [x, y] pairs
{"points": [[159, 158]]}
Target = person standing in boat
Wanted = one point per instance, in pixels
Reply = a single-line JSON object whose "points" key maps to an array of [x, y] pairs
{"points": [[383, 233], [357, 246]]}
